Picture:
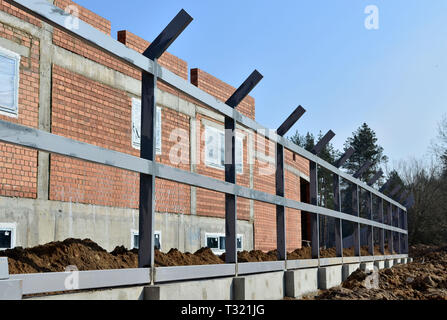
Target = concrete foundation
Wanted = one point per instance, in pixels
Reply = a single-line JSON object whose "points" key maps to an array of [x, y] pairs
{"points": [[410, 260], [109, 227], [367, 266], [329, 277], [349, 269], [389, 263], [267, 286], [217, 289], [397, 261], [4, 271], [403, 261], [379, 264], [131, 293], [10, 290], [301, 282]]}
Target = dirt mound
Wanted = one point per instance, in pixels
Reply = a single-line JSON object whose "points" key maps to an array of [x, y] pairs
{"points": [[87, 255], [424, 279]]}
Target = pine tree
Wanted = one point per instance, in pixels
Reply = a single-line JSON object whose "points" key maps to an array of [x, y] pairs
{"points": [[364, 142]]}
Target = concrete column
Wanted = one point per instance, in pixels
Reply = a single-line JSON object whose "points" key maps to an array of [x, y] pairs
{"points": [[43, 169]]}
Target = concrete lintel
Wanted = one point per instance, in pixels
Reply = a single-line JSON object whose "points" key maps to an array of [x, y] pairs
{"points": [[329, 277], [10, 289], [15, 47], [301, 282]]}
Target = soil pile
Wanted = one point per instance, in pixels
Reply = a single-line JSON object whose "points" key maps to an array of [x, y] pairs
{"points": [[87, 255], [424, 279]]}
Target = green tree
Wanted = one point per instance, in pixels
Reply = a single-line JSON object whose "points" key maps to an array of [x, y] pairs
{"points": [[364, 143]]}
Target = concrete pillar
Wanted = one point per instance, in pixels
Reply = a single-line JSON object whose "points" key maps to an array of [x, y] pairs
{"points": [[329, 277], [410, 260], [367, 266], [349, 269], [43, 168], [4, 271], [389, 264], [379, 264], [9, 289], [301, 282], [266, 286], [151, 293]]}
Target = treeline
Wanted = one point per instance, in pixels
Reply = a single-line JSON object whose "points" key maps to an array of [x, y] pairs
{"points": [[419, 185]]}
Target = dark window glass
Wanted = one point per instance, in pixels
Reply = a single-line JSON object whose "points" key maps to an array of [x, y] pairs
{"points": [[212, 243], [5, 239]]}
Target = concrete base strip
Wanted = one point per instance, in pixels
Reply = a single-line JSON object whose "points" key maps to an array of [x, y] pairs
{"points": [[4, 271], [301, 282], [379, 264], [10, 290], [268, 286], [389, 264], [329, 277], [349, 269], [367, 266]]}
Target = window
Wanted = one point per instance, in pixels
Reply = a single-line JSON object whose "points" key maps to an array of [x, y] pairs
{"points": [[7, 236], [9, 82], [136, 126], [135, 239], [215, 149], [216, 242]]}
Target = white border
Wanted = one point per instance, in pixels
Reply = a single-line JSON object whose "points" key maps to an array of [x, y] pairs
{"points": [[16, 57], [10, 227], [134, 232], [218, 235]]}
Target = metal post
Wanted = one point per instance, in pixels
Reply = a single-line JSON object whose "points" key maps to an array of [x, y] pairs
{"points": [[148, 137], [315, 217], [382, 231], [338, 222], [357, 231], [399, 234], [390, 233], [370, 228], [280, 210], [230, 166], [147, 182]]}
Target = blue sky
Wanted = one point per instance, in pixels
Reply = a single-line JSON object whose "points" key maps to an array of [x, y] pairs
{"points": [[317, 54]]}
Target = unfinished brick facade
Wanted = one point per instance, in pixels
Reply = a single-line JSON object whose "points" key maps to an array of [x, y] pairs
{"points": [[99, 113]]}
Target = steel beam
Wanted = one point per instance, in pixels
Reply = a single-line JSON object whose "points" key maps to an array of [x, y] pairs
{"points": [[376, 177], [323, 143], [314, 218], [363, 169], [56, 17], [348, 154], [291, 120], [168, 35], [230, 166], [147, 182], [338, 222]]}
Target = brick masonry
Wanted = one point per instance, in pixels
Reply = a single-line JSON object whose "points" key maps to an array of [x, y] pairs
{"points": [[87, 110]]}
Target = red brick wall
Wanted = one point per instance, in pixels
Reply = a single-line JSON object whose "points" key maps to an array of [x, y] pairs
{"points": [[16, 12], [221, 91], [18, 166], [167, 60], [87, 16]]}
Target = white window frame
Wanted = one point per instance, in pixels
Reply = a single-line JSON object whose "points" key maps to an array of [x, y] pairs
{"points": [[134, 232], [136, 124], [16, 57], [211, 162], [220, 235], [12, 227]]}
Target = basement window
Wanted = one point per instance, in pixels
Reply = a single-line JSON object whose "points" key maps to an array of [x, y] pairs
{"points": [[215, 149], [216, 242], [9, 82], [7, 236], [135, 239], [136, 126]]}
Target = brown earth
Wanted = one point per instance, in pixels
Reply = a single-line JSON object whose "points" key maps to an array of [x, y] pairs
{"points": [[424, 279], [87, 255]]}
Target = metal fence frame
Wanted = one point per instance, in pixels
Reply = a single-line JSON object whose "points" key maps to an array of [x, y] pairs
{"points": [[149, 169]]}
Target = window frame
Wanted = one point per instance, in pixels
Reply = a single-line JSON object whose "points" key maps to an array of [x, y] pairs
{"points": [[219, 250], [16, 57], [239, 140], [12, 227], [134, 232], [136, 118]]}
